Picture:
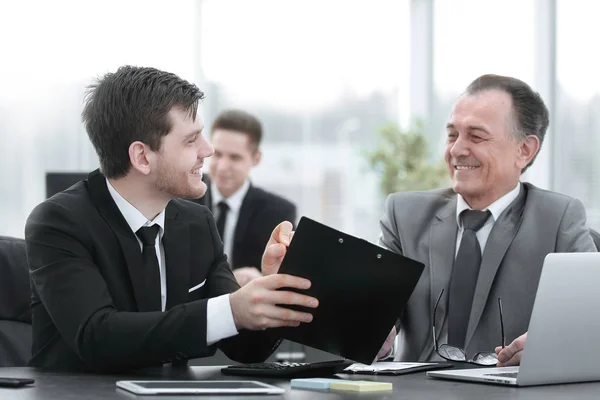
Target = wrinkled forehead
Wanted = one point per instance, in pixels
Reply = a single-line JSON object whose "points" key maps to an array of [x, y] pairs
{"points": [[490, 107]]}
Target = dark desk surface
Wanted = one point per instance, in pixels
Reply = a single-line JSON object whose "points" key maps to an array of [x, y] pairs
{"points": [[53, 385]]}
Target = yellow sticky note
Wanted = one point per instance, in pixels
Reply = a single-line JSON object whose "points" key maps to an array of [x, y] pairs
{"points": [[361, 386]]}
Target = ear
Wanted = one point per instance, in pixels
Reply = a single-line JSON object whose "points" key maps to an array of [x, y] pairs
{"points": [[256, 157], [139, 156], [527, 150]]}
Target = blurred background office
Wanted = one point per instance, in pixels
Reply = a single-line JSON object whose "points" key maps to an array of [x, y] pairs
{"points": [[324, 76]]}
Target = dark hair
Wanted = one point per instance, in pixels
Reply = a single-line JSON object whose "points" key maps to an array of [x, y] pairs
{"points": [[531, 114], [240, 121], [133, 104]]}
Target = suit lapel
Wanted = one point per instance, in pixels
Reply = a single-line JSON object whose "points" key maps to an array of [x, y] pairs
{"points": [[500, 238], [442, 245], [176, 244], [206, 200], [106, 206], [246, 211]]}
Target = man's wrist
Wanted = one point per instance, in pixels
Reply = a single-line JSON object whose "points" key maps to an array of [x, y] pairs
{"points": [[219, 319], [232, 303], [390, 354]]}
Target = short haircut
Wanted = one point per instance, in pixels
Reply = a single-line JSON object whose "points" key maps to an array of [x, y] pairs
{"points": [[530, 112], [240, 121], [132, 104]]}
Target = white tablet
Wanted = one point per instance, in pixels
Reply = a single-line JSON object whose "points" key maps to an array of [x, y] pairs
{"points": [[199, 387]]}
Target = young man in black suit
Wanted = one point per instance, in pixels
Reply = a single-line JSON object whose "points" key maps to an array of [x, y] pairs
{"points": [[124, 273], [245, 214]]}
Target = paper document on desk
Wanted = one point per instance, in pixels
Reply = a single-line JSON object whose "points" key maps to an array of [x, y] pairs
{"points": [[394, 368]]}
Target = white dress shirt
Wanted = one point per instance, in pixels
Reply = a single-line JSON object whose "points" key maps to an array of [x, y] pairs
{"points": [[496, 208], [235, 203], [219, 318]]}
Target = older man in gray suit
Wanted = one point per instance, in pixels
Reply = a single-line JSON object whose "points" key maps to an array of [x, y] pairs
{"points": [[487, 236]]}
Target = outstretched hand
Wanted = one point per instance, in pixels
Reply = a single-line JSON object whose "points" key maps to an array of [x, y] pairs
{"points": [[276, 248]]}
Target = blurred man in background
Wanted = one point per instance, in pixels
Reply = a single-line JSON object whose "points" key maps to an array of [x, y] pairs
{"points": [[246, 215]]}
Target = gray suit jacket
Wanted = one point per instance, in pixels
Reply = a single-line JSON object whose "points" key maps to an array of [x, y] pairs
{"points": [[422, 226]]}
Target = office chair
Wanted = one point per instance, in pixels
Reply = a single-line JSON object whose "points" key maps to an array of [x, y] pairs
{"points": [[15, 308], [59, 181], [596, 238]]}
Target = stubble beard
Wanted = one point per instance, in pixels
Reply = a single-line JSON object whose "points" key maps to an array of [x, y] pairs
{"points": [[176, 183]]}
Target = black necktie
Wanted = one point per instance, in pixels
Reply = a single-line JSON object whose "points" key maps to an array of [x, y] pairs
{"points": [[464, 277], [151, 269], [223, 210]]}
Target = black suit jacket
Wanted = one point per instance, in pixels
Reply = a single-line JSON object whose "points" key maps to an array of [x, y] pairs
{"points": [[260, 213], [88, 294]]}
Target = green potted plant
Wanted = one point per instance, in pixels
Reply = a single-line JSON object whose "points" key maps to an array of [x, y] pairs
{"points": [[403, 161]]}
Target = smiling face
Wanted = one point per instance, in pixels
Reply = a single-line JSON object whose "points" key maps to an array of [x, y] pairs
{"points": [[483, 160], [234, 157], [181, 157]]}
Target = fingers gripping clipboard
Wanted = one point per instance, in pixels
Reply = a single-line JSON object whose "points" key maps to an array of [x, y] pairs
{"points": [[362, 289]]}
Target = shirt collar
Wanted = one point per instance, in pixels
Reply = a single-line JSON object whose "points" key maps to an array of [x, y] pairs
{"points": [[135, 219], [496, 208], [234, 201]]}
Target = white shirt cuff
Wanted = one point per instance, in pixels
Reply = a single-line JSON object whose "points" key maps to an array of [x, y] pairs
{"points": [[219, 319]]}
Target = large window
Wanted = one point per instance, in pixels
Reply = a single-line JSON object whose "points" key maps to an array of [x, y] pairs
{"points": [[577, 165], [322, 76], [472, 38], [50, 50]]}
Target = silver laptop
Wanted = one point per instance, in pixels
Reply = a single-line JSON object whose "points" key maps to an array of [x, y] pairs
{"points": [[562, 344]]}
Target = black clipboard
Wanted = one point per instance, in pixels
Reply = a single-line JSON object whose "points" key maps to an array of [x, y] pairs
{"points": [[362, 289]]}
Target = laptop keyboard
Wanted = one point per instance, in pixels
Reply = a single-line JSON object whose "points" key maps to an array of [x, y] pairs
{"points": [[287, 369], [505, 375]]}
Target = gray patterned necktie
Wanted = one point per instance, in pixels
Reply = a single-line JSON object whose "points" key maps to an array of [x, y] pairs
{"points": [[464, 277]]}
